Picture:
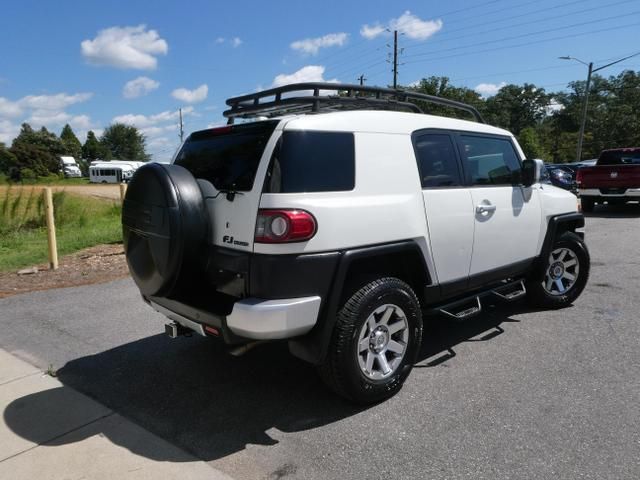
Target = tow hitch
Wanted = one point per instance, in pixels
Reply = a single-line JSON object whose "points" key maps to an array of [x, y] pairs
{"points": [[174, 330]]}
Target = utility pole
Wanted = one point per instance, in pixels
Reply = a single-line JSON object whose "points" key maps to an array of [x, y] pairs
{"points": [[395, 58], [181, 128], [583, 121], [361, 79], [585, 101]]}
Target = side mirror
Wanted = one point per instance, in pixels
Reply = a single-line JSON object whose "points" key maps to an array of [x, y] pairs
{"points": [[531, 171]]}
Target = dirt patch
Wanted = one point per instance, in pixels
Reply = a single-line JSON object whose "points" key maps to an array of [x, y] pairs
{"points": [[108, 192], [98, 264]]}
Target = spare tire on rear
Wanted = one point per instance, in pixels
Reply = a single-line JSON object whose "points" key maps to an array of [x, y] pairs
{"points": [[164, 227]]}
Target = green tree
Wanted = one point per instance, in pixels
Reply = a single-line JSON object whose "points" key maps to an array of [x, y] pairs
{"points": [[7, 160], [442, 87], [92, 150], [124, 142], [531, 145], [37, 151], [516, 107], [70, 142]]}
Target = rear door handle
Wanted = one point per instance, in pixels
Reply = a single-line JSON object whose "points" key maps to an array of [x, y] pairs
{"points": [[482, 209]]}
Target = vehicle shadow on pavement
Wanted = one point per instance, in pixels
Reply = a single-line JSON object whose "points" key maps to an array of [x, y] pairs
{"points": [[192, 393], [630, 210]]}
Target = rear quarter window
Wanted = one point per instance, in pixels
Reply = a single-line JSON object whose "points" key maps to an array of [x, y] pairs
{"points": [[308, 161]]}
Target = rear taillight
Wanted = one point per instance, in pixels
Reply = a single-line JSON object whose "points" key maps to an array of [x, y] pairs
{"points": [[281, 226], [579, 177]]}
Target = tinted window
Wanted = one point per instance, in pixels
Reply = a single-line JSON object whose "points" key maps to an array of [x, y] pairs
{"points": [[312, 162], [437, 160], [619, 157], [228, 157], [490, 160]]}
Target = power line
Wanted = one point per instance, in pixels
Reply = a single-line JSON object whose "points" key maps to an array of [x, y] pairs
{"points": [[516, 25], [534, 42], [524, 35]]}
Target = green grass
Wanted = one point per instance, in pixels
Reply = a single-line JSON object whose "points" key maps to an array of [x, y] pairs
{"points": [[50, 180], [81, 222]]}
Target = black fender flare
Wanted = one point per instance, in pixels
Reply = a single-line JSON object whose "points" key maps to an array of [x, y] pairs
{"points": [[558, 224], [313, 346]]}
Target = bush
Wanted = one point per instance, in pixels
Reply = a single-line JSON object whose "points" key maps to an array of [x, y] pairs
{"points": [[27, 174]]}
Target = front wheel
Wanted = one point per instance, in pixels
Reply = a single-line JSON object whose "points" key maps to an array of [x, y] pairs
{"points": [[566, 272], [375, 342]]}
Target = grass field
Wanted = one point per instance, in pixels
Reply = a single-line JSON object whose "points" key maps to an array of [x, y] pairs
{"points": [[80, 222]]}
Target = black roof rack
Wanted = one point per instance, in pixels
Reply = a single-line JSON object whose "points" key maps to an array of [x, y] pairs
{"points": [[321, 96]]}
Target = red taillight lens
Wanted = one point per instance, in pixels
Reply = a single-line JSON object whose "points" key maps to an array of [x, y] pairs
{"points": [[578, 177], [280, 226]]}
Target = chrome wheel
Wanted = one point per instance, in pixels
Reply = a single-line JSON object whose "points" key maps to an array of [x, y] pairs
{"points": [[562, 272], [382, 342]]}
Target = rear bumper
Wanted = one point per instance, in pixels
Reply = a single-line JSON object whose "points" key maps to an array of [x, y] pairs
{"points": [[250, 318], [633, 193]]}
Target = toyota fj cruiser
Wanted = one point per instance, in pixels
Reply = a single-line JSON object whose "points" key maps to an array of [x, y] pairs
{"points": [[336, 218]]}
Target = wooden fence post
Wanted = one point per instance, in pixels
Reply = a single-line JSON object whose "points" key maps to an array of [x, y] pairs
{"points": [[123, 191], [51, 229]]}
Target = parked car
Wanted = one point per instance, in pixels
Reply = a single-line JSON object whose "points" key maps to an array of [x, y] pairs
{"points": [[560, 175], [615, 179], [334, 223]]}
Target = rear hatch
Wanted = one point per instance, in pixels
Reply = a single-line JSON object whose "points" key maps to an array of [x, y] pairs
{"points": [[230, 164]]}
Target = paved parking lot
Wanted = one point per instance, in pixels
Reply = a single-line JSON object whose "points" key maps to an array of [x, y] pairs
{"points": [[510, 394]]}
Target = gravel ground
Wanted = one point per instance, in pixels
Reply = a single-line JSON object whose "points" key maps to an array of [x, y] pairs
{"points": [[511, 394]]}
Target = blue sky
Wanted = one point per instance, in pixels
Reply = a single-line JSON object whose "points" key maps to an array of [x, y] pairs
{"points": [[92, 63]]}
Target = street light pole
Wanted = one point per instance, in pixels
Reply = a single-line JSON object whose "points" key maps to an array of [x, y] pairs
{"points": [[585, 101], [583, 120]]}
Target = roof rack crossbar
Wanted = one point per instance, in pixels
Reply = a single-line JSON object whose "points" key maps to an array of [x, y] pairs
{"points": [[332, 96]]}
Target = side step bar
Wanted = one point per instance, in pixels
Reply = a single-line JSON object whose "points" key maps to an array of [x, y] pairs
{"points": [[466, 308], [510, 291], [471, 306]]}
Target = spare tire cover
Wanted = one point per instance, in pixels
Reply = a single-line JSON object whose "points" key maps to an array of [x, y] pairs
{"points": [[164, 225]]}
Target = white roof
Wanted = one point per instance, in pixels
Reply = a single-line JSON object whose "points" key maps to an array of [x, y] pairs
{"points": [[68, 159], [382, 121]]}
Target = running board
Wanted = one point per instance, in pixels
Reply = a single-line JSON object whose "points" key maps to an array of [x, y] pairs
{"points": [[510, 291], [462, 309]]}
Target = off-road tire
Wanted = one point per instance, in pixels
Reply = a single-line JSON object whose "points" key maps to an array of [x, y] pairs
{"points": [[587, 204], [539, 297], [341, 370]]}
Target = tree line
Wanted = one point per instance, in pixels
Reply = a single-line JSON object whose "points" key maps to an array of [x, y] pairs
{"points": [[547, 123], [35, 153]]}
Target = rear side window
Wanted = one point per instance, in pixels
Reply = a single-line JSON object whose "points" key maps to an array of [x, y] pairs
{"points": [[307, 161], [228, 157], [619, 157], [437, 160], [490, 160]]}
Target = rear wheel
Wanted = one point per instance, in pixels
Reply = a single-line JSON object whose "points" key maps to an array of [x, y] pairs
{"points": [[375, 342], [587, 204], [566, 272]]}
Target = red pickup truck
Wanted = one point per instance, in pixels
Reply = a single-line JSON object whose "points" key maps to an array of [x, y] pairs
{"points": [[614, 179]]}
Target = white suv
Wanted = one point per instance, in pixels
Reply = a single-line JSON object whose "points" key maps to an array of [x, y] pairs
{"points": [[334, 223]]}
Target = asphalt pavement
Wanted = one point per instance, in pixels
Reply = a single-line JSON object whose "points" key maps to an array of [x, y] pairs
{"points": [[511, 394]]}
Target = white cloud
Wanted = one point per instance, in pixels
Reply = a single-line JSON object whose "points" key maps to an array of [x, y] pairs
{"points": [[489, 89], [9, 109], [372, 31], [144, 121], [58, 101], [8, 131], [311, 46], [48, 118], [125, 47], [191, 96], [235, 41], [309, 73], [138, 87], [408, 24]]}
